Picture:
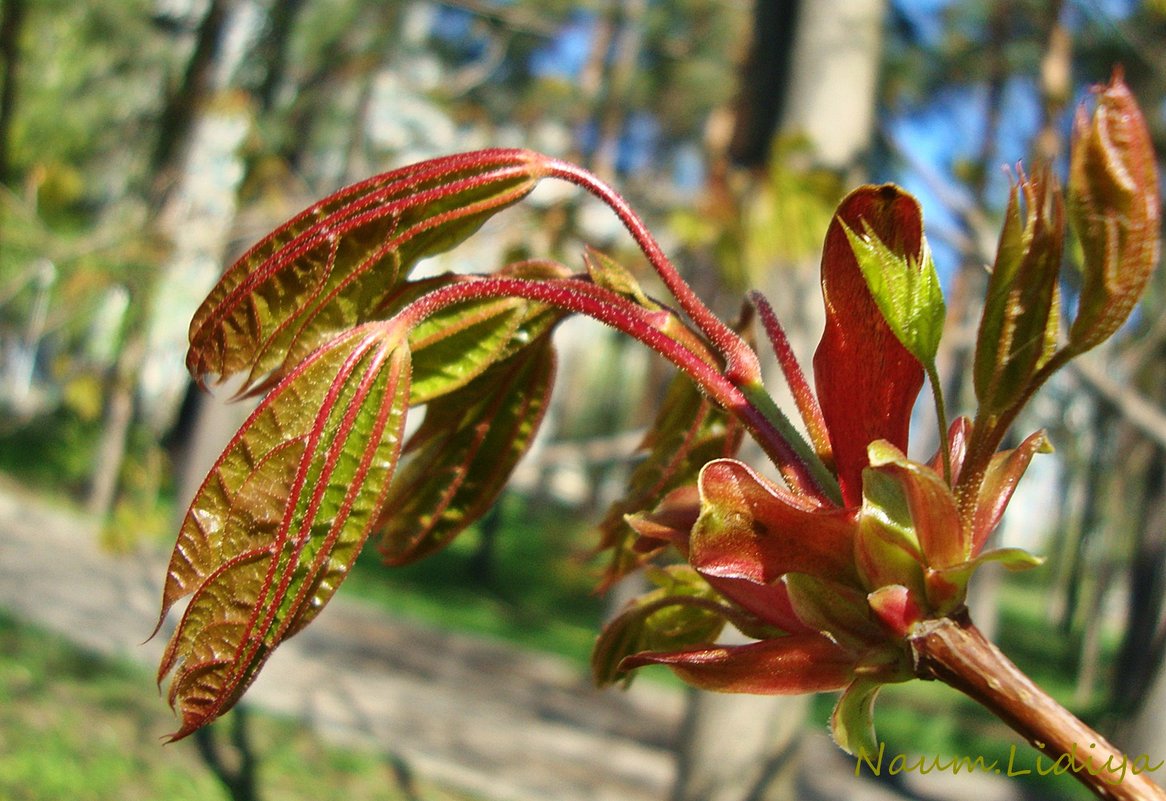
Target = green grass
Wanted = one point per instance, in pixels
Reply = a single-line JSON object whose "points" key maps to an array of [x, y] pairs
{"points": [[78, 727]]}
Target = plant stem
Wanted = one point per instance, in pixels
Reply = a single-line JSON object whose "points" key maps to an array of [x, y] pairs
{"points": [[582, 297], [940, 418], [953, 651], [741, 363]]}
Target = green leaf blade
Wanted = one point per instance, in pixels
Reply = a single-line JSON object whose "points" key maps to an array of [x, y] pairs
{"points": [[907, 292], [334, 265], [465, 450], [336, 422]]}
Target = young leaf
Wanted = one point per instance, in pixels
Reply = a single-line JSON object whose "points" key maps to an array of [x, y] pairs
{"points": [[1020, 321], [930, 503], [684, 611], [454, 345], [688, 432], [837, 610], [333, 265], [464, 452], [790, 665], [852, 722], [752, 529], [1115, 208], [1003, 474], [906, 289], [610, 274], [866, 380], [282, 516]]}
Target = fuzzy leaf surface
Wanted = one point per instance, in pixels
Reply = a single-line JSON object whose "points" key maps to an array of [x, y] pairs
{"points": [[1021, 319], [283, 514], [455, 344], [333, 265], [688, 432], [464, 452], [907, 292], [1115, 209]]}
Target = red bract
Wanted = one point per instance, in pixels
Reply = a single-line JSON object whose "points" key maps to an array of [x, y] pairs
{"points": [[830, 590], [867, 381]]}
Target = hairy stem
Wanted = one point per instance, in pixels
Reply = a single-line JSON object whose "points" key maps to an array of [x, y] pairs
{"points": [[742, 364], [582, 297], [955, 652]]}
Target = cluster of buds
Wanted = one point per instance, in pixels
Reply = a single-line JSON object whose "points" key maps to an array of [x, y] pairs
{"points": [[831, 582]]}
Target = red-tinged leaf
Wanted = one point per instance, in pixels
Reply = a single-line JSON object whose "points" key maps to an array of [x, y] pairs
{"points": [[947, 589], [1019, 325], [791, 665], [455, 344], [688, 432], [930, 504], [683, 611], [1003, 474], [769, 603], [866, 380], [333, 265], [1115, 209], [750, 528], [670, 522], [464, 452], [959, 433], [282, 516]]}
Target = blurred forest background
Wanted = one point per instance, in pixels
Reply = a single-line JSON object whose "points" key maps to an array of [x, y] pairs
{"points": [[146, 143]]}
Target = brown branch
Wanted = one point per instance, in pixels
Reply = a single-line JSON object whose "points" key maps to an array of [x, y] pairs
{"points": [[955, 652]]}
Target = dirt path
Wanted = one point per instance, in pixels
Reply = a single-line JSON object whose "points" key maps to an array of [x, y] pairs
{"points": [[473, 714], [486, 718]]}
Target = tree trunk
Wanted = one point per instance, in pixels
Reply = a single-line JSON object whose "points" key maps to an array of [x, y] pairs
{"points": [[191, 258], [177, 119]]}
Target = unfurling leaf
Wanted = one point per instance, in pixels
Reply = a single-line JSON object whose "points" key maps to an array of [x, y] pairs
{"points": [[867, 381], [464, 452], [682, 612], [334, 265], [282, 516], [1115, 210], [610, 274], [1020, 321], [852, 722], [455, 344], [688, 432], [906, 291]]}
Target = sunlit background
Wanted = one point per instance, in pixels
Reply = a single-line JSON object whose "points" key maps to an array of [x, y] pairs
{"points": [[144, 144]]}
